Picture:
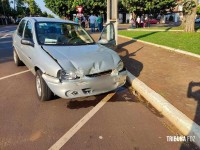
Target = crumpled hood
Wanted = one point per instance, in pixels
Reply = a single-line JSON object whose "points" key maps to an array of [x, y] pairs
{"points": [[88, 58]]}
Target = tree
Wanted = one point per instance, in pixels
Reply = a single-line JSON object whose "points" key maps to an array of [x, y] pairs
{"points": [[189, 13], [34, 8], [153, 7], [22, 10], [50, 16], [44, 14], [5, 8], [64, 7], [56, 6]]}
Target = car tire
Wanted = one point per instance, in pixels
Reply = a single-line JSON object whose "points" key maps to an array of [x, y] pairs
{"points": [[43, 91], [17, 61]]}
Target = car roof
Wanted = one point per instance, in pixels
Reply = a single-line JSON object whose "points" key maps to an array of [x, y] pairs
{"points": [[45, 19]]}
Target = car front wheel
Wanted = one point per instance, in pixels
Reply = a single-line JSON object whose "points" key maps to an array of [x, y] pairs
{"points": [[17, 61], [43, 91]]}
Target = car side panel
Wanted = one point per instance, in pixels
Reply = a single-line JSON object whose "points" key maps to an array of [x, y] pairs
{"points": [[44, 62]]}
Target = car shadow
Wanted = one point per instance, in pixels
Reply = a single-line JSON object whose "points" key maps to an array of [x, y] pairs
{"points": [[121, 95], [84, 102], [134, 66]]}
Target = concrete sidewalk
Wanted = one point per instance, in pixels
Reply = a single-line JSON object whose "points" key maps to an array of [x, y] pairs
{"points": [[172, 75]]}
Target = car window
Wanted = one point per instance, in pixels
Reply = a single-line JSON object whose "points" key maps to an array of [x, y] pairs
{"points": [[21, 27], [28, 31], [58, 33]]}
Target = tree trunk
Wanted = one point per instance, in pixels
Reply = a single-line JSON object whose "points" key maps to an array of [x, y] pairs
{"points": [[189, 20]]}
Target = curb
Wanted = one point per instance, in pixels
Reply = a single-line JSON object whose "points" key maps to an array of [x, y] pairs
{"points": [[186, 126], [165, 47]]}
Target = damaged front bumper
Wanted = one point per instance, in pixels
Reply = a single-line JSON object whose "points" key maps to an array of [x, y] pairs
{"points": [[85, 86]]}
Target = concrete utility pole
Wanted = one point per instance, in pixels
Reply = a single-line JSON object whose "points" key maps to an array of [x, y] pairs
{"points": [[112, 15]]}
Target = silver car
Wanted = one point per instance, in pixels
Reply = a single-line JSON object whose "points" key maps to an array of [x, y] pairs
{"points": [[65, 59]]}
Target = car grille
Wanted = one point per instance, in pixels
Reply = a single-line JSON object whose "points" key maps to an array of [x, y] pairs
{"points": [[100, 74]]}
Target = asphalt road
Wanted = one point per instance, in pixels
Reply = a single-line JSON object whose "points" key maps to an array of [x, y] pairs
{"points": [[122, 123]]}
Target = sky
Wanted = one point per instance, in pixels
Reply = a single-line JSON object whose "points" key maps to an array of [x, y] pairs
{"points": [[41, 4]]}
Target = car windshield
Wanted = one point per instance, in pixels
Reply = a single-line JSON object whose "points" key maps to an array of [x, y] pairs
{"points": [[58, 33]]}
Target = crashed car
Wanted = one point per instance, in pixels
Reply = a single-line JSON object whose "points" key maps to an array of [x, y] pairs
{"points": [[65, 59]]}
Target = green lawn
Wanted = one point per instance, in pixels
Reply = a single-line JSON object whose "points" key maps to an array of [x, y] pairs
{"points": [[185, 41]]}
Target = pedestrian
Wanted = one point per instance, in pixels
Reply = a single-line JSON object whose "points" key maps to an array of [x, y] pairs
{"points": [[99, 21], [92, 20], [142, 21], [138, 22], [132, 23], [76, 19], [145, 21], [148, 21], [159, 17], [83, 20]]}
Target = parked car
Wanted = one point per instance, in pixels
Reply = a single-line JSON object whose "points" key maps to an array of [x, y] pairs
{"points": [[65, 59], [153, 21], [197, 20]]}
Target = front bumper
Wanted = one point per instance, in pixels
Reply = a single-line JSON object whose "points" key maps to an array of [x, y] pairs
{"points": [[86, 86]]}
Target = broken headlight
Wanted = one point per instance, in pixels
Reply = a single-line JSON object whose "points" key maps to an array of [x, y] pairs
{"points": [[64, 75], [120, 66]]}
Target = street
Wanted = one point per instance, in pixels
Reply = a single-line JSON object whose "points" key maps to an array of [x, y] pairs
{"points": [[122, 123]]}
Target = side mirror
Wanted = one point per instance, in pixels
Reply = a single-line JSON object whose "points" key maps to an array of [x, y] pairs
{"points": [[27, 42], [103, 41]]}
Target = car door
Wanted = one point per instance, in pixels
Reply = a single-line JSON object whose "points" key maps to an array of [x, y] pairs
{"points": [[28, 49], [17, 39], [107, 37]]}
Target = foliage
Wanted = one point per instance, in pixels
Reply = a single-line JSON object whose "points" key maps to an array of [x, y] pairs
{"points": [[22, 10], [198, 10], [64, 7], [5, 8], [188, 5], [33, 8], [50, 16], [149, 6], [44, 14]]}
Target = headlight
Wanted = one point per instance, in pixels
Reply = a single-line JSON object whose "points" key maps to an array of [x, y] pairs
{"points": [[63, 75], [71, 75], [120, 66]]}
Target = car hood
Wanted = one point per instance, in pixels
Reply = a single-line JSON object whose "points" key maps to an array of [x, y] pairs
{"points": [[90, 59]]}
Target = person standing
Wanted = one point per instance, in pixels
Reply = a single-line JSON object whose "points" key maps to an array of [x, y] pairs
{"points": [[99, 21], [76, 19], [132, 23], [138, 22], [83, 20], [92, 20]]}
